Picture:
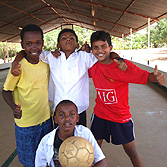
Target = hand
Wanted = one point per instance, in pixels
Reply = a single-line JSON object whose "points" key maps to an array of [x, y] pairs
{"points": [[15, 70], [56, 53], [159, 76], [83, 48], [121, 64], [17, 112]]}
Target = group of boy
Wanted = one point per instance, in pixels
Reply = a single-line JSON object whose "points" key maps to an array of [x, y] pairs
{"points": [[68, 89]]}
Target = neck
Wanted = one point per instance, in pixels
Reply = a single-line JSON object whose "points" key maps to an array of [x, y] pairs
{"points": [[68, 53], [35, 61], [65, 135]]}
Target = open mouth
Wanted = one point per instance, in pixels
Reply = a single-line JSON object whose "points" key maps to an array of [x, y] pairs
{"points": [[100, 55], [34, 53], [67, 124]]}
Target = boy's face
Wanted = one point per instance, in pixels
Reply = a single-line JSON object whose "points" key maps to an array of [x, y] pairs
{"points": [[67, 42], [66, 117], [32, 43], [101, 51]]}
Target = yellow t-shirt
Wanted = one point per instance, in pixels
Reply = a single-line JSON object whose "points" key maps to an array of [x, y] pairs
{"points": [[31, 90]]}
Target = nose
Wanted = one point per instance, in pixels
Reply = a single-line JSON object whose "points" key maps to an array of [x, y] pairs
{"points": [[68, 39], [67, 117], [100, 50]]}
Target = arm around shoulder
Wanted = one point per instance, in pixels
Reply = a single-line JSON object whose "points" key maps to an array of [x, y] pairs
{"points": [[15, 65]]}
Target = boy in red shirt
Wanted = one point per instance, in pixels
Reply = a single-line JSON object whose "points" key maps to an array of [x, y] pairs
{"points": [[112, 116]]}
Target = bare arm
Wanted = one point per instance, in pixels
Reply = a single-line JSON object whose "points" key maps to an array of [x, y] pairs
{"points": [[8, 97], [157, 77], [101, 163], [15, 65]]}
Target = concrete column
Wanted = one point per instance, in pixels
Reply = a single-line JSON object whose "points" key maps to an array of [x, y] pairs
{"points": [[131, 39], [148, 48]]}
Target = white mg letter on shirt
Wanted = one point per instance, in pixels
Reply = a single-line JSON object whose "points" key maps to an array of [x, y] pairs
{"points": [[108, 96]]}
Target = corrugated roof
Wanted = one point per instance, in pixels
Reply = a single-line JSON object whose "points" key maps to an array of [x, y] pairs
{"points": [[114, 16]]}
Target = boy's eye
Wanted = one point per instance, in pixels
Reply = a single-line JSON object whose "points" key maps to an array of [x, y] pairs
{"points": [[104, 47], [94, 48], [72, 38], [72, 114], [63, 38], [29, 44], [61, 115], [38, 43]]}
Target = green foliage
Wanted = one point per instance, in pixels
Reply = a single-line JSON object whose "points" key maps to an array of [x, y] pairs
{"points": [[83, 35], [11, 47], [50, 40]]}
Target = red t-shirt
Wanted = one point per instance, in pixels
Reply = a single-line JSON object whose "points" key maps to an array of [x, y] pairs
{"points": [[112, 86]]}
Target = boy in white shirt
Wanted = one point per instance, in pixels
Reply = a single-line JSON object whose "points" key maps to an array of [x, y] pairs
{"points": [[66, 115]]}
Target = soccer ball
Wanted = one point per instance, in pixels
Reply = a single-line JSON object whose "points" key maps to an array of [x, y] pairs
{"points": [[76, 152]]}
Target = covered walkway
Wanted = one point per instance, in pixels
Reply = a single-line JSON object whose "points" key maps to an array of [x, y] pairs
{"points": [[149, 109]]}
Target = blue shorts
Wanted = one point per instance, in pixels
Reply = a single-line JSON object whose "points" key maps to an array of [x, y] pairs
{"points": [[121, 133], [27, 140]]}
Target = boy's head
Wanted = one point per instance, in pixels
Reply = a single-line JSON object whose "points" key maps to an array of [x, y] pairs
{"points": [[32, 42], [101, 46], [67, 41], [66, 115], [101, 36]]}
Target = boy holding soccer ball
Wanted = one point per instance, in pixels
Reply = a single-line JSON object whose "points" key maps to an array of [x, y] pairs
{"points": [[66, 116]]}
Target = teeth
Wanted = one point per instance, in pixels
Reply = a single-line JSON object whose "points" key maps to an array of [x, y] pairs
{"points": [[34, 53], [100, 55]]}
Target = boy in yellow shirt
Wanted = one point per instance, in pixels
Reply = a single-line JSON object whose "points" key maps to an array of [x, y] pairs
{"points": [[31, 106]]}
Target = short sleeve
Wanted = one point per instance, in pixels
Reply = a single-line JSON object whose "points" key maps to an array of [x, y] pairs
{"points": [[90, 59], [11, 82]]}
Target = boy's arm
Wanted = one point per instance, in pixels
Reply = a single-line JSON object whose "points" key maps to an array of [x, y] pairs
{"points": [[40, 157], [15, 70], [157, 77], [8, 97], [101, 163]]}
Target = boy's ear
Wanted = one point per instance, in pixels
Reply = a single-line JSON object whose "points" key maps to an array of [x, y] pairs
{"points": [[77, 46], [77, 117], [55, 119], [42, 43], [22, 45], [111, 48], [58, 46]]}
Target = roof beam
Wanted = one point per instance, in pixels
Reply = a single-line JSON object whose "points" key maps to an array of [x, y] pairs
{"points": [[53, 9], [27, 14], [132, 2], [105, 21], [72, 11], [107, 7]]}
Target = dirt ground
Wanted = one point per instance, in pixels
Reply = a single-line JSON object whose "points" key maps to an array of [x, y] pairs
{"points": [[149, 109]]}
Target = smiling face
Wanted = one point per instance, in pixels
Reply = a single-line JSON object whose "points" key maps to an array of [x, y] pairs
{"points": [[66, 117], [101, 51], [68, 43], [32, 43]]}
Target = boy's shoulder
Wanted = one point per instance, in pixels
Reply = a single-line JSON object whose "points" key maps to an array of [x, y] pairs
{"points": [[49, 137], [80, 129]]}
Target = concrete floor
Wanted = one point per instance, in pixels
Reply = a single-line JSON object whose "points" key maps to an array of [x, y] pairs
{"points": [[149, 109]]}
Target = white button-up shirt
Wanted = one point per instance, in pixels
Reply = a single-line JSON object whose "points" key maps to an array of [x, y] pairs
{"points": [[69, 77], [44, 153]]}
